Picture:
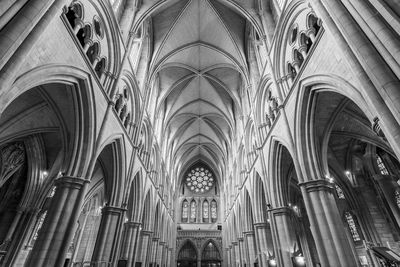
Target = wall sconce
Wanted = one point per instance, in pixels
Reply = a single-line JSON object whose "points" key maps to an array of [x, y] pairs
{"points": [[299, 261], [272, 263], [44, 174]]}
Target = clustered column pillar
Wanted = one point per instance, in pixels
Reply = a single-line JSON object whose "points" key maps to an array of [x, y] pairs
{"points": [[242, 250], [145, 237], [228, 256], [233, 256], [327, 227], [107, 238], [388, 185], [129, 244], [250, 247], [263, 234], [237, 252], [153, 251], [57, 230], [283, 235]]}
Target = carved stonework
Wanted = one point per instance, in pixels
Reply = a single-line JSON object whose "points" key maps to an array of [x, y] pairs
{"points": [[199, 238], [12, 158], [377, 129]]}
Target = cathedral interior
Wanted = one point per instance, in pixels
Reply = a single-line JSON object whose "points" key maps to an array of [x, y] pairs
{"points": [[199, 133]]}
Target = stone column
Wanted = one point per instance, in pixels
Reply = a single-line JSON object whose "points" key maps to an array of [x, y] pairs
{"points": [[326, 223], [377, 80], [233, 256], [242, 251], [283, 234], [130, 242], [389, 186], [108, 235], [250, 247], [145, 237], [160, 253], [264, 242], [235, 247], [228, 257], [57, 230], [153, 251]]}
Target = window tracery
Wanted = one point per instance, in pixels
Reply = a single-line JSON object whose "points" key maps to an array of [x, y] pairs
{"points": [[205, 211], [199, 180], [185, 208], [39, 225], [397, 198], [193, 211], [352, 226], [214, 214], [381, 166], [339, 192]]}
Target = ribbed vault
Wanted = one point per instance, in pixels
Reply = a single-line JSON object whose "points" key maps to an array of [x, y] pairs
{"points": [[199, 70]]}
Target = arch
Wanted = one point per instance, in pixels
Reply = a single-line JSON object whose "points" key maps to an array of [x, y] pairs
{"points": [[111, 154], [135, 198], [81, 140], [210, 253], [146, 212], [281, 159], [260, 200], [187, 253], [248, 224], [306, 146]]}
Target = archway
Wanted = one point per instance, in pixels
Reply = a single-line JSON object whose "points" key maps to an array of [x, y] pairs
{"points": [[341, 152], [187, 256], [210, 256], [44, 135], [363, 170]]}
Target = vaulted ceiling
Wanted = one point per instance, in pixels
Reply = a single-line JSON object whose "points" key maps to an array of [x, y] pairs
{"points": [[199, 64]]}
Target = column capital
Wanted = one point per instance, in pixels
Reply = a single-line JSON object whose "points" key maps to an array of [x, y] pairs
{"points": [[317, 185], [235, 243], [240, 239], [133, 224], [111, 209], [70, 181], [146, 232], [280, 210], [260, 225], [247, 233], [156, 239]]}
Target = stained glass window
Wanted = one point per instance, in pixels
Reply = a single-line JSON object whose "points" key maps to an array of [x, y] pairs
{"points": [[381, 166], [352, 226], [52, 192], [185, 207], [214, 211], [205, 211], [339, 192], [39, 225], [397, 196], [193, 211], [199, 180]]}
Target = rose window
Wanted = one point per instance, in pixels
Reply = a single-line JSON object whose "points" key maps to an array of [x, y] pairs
{"points": [[199, 180]]}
